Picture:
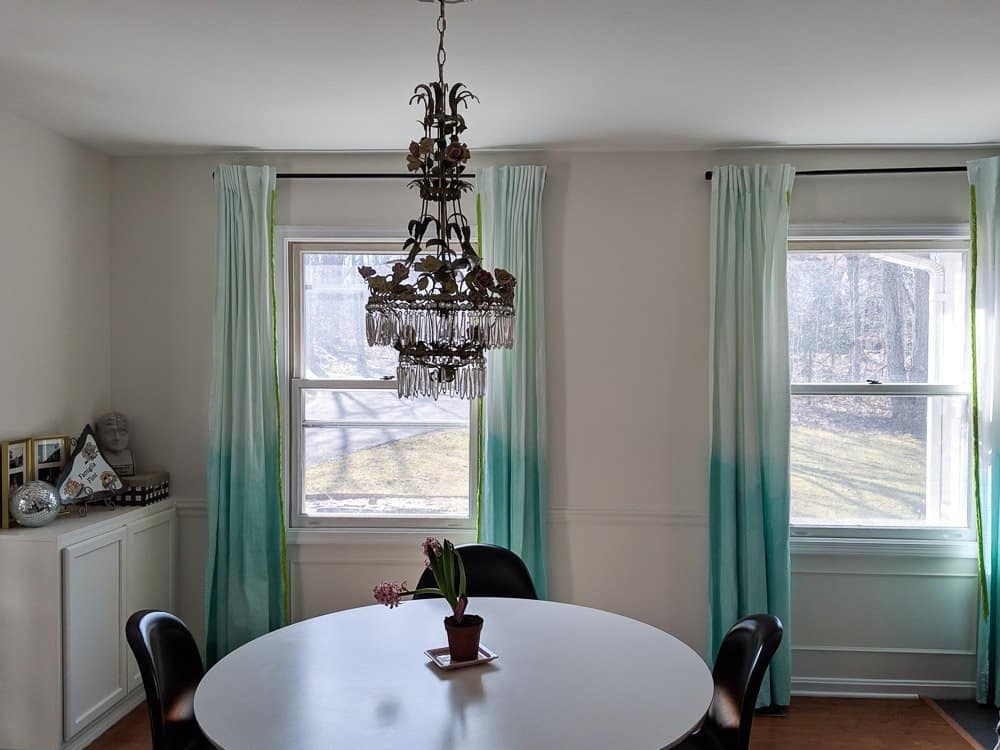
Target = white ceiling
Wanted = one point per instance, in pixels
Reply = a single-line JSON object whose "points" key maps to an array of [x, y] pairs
{"points": [[149, 76]]}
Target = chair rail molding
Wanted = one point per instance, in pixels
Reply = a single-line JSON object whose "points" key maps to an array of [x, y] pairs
{"points": [[191, 507], [624, 517]]}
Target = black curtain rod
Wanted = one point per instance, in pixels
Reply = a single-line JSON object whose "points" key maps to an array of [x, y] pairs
{"points": [[351, 176], [875, 170], [354, 176]]}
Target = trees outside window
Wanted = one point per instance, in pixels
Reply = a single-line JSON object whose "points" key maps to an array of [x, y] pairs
{"points": [[877, 342]]}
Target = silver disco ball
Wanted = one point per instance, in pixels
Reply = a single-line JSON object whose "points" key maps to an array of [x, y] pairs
{"points": [[34, 503]]}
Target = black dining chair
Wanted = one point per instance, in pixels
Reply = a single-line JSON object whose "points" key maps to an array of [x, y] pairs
{"points": [[740, 665], [171, 669], [489, 571]]}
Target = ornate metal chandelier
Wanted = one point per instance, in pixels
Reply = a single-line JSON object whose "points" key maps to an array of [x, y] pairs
{"points": [[439, 308]]}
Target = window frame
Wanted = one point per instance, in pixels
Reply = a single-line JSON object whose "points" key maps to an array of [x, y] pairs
{"points": [[812, 239], [294, 242]]}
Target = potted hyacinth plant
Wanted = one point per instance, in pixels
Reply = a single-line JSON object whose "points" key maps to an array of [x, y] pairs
{"points": [[445, 563]]}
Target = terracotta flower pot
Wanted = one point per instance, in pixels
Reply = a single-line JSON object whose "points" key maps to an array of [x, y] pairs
{"points": [[463, 637]]}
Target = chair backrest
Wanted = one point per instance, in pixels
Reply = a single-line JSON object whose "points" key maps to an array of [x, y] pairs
{"points": [[489, 571], [740, 665], [171, 669]]}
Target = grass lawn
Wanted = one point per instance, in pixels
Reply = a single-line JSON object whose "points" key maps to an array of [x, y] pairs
{"points": [[427, 474], [844, 476]]}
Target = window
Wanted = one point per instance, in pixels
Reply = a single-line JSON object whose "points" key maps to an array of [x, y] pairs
{"points": [[880, 395], [360, 456]]}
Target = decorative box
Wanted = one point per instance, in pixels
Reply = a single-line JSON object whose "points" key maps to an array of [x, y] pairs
{"points": [[144, 488]]}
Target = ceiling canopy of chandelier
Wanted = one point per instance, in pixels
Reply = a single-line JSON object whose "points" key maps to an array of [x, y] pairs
{"points": [[439, 308]]}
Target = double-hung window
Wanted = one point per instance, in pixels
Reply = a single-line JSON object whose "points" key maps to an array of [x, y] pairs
{"points": [[878, 339], [360, 456]]}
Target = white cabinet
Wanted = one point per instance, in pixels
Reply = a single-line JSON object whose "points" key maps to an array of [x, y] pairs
{"points": [[66, 590], [94, 672], [149, 573]]}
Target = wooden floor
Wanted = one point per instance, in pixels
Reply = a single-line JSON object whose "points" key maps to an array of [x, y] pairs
{"points": [[845, 724], [811, 724]]}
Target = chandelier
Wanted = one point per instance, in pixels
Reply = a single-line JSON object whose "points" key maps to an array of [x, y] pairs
{"points": [[439, 308]]}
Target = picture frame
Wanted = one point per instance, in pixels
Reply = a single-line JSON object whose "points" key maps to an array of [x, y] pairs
{"points": [[15, 470], [49, 454]]}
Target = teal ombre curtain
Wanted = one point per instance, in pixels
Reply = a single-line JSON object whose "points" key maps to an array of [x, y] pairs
{"points": [[750, 407], [984, 181], [245, 571], [514, 499]]}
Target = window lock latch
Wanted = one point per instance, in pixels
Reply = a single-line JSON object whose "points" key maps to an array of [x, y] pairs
{"points": [[873, 382]]}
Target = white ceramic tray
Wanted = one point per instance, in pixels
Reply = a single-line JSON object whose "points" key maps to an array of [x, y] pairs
{"points": [[442, 659]]}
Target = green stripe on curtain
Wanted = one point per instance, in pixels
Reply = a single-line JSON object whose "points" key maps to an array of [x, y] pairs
{"points": [[514, 510], [245, 591], [480, 437], [984, 181], [750, 408], [977, 489]]}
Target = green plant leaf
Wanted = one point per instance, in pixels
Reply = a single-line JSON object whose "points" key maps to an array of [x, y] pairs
{"points": [[461, 575], [449, 571]]}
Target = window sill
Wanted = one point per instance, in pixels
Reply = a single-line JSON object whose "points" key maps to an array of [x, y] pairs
{"points": [[374, 536], [856, 546]]}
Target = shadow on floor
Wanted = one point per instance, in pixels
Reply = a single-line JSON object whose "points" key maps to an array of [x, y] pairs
{"points": [[978, 720]]}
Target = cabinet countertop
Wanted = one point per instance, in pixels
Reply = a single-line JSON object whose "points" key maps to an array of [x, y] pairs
{"points": [[72, 528]]}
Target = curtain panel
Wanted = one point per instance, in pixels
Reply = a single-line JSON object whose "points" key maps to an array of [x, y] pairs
{"points": [[750, 407], [514, 479], [984, 181], [245, 581]]}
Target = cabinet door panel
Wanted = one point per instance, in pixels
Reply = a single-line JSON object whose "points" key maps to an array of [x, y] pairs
{"points": [[149, 574], [94, 673]]}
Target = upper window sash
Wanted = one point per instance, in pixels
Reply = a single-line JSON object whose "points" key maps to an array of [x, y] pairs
{"points": [[894, 242], [296, 252]]}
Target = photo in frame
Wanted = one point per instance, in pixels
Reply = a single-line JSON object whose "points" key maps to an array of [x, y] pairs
{"points": [[15, 470], [48, 457]]}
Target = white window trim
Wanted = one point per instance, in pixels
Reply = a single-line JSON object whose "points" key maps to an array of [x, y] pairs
{"points": [[302, 529], [840, 238]]}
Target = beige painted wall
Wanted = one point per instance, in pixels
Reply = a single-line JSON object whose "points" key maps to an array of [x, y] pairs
{"points": [[55, 294], [626, 323]]}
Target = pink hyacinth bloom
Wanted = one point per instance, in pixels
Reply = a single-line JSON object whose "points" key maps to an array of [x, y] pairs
{"points": [[388, 593], [432, 545]]}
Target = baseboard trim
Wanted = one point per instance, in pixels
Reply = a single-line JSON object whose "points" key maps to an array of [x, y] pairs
{"points": [[886, 650], [103, 724], [863, 687]]}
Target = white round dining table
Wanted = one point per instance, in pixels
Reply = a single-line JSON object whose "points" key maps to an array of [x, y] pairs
{"points": [[566, 677]]}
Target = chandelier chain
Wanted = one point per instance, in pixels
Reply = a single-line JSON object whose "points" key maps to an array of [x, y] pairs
{"points": [[442, 26]]}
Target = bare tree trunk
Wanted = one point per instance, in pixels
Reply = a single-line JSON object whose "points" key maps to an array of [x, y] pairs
{"points": [[919, 365], [895, 361], [895, 357], [856, 343], [919, 362]]}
